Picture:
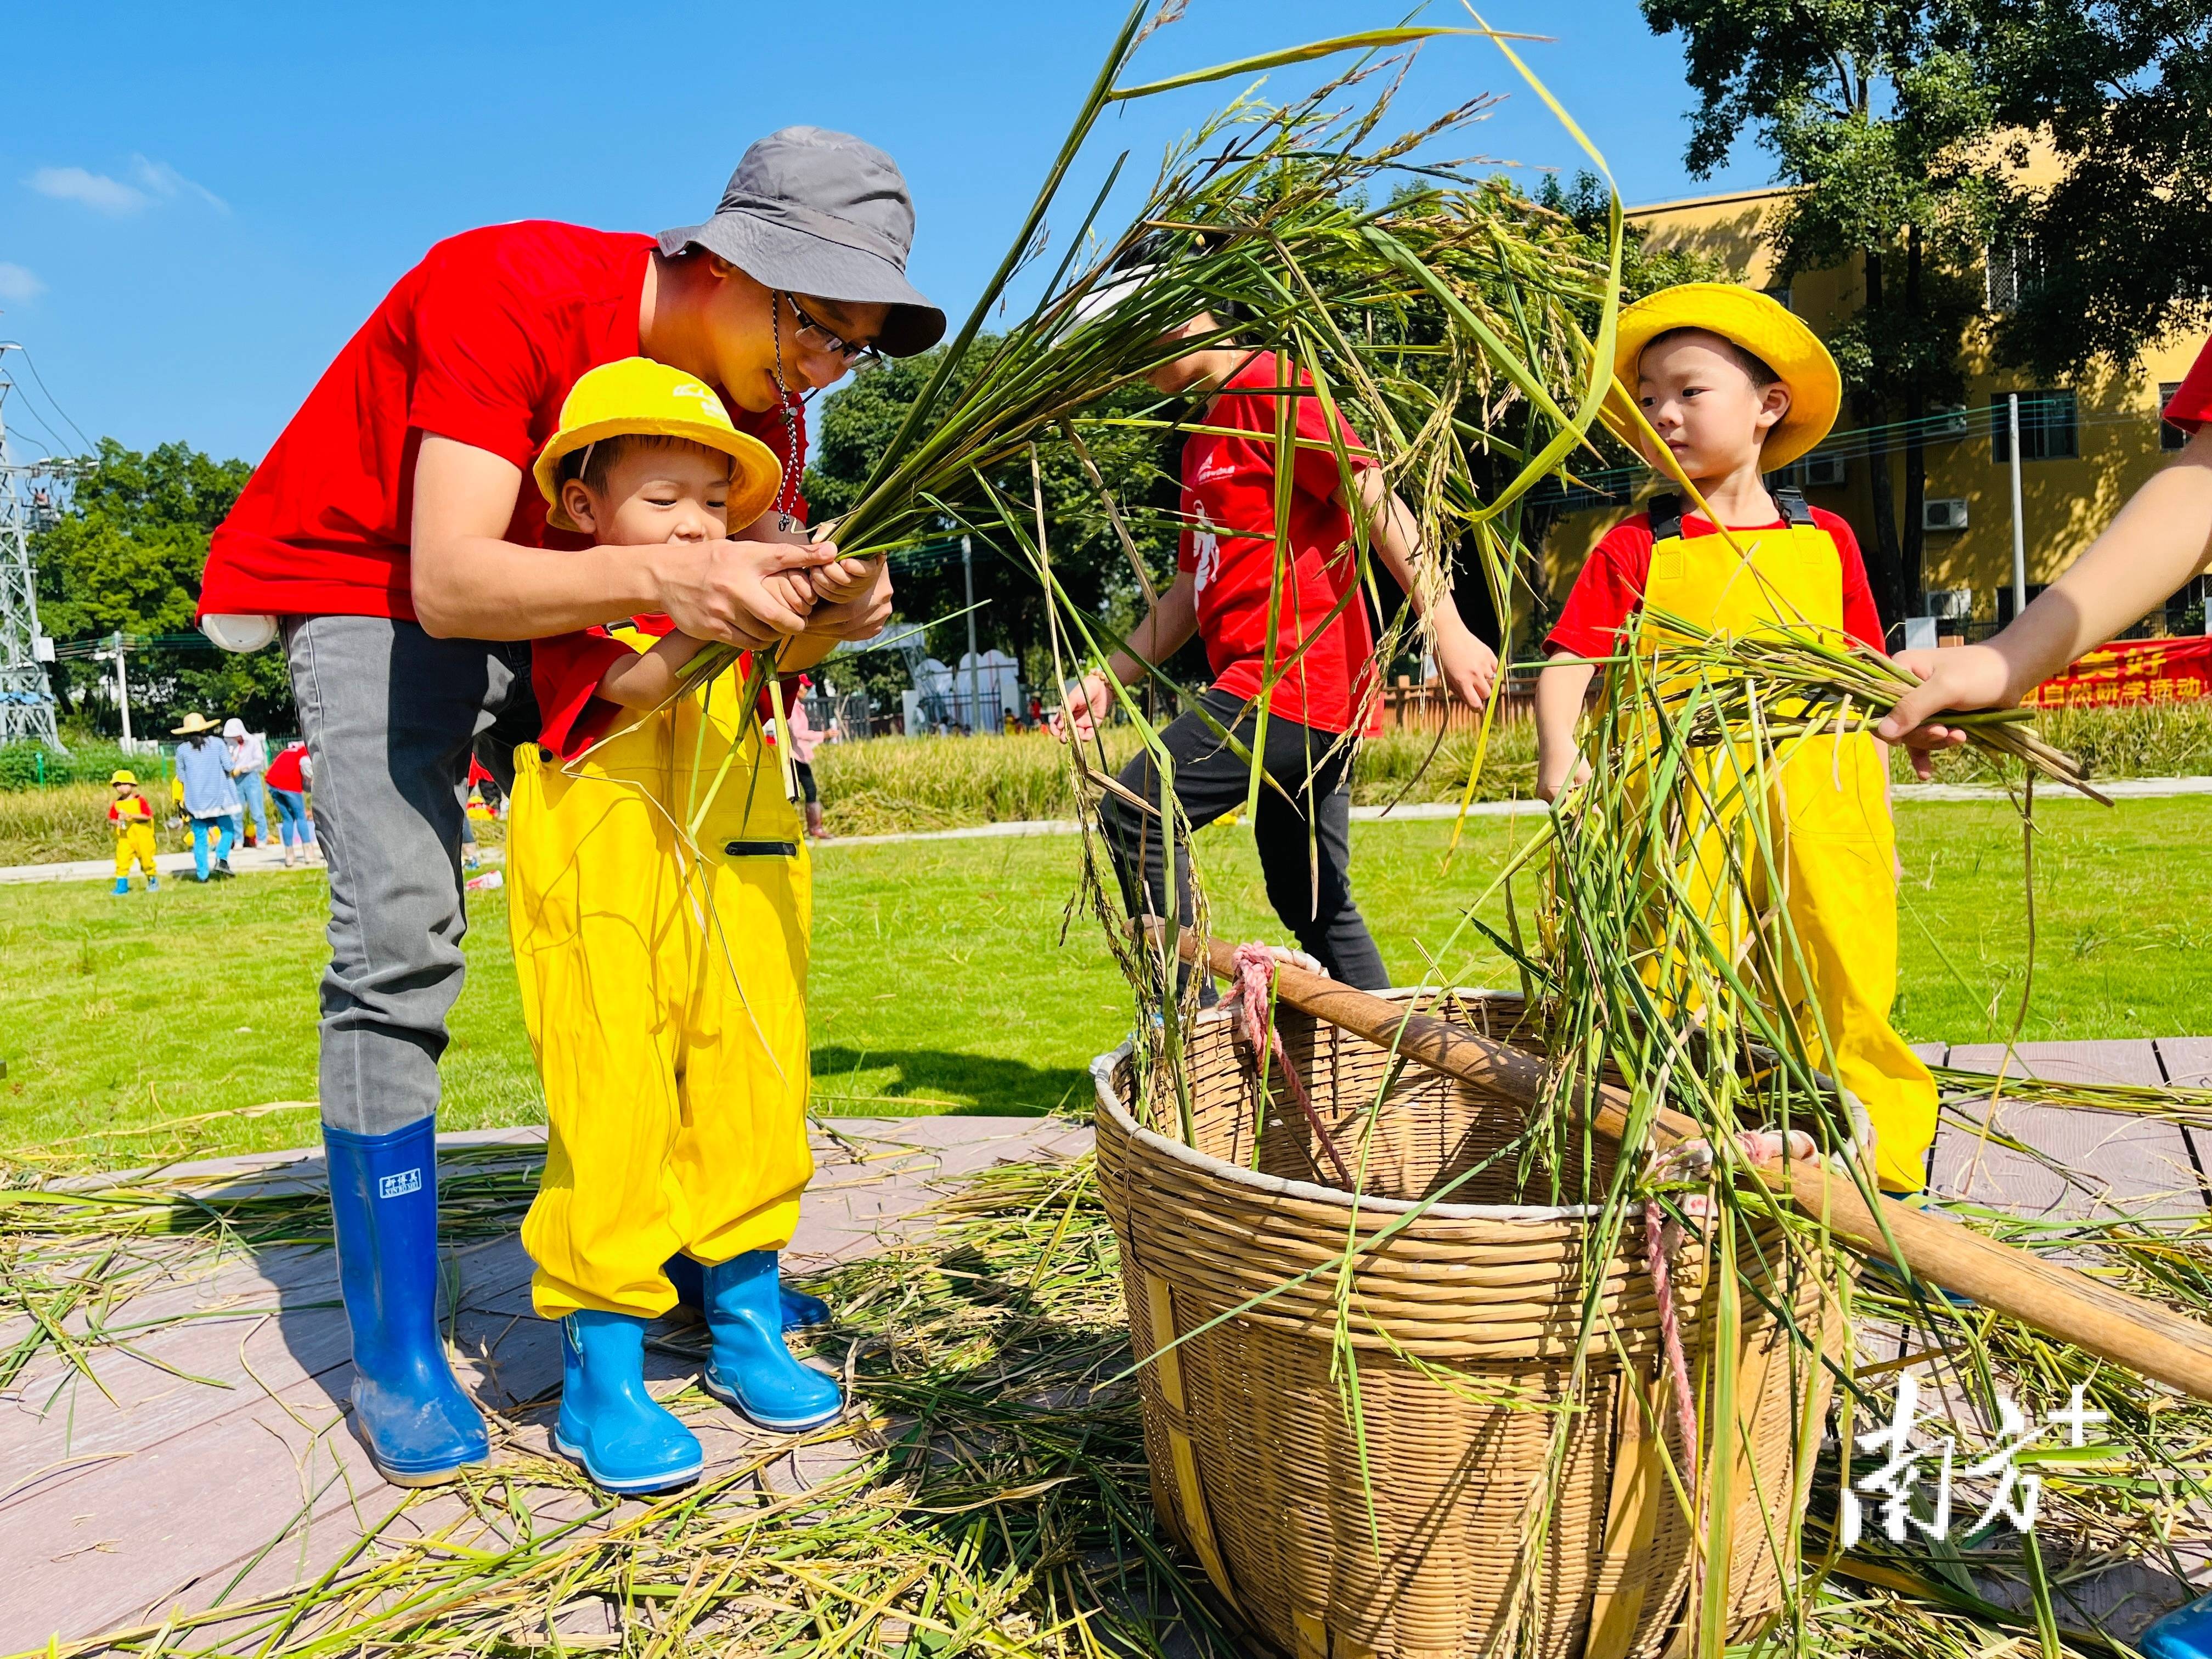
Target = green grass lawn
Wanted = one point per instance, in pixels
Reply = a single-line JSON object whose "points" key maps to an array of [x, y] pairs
{"points": [[941, 982]]}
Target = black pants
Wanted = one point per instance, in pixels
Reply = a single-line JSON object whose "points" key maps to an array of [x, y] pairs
{"points": [[1307, 871]]}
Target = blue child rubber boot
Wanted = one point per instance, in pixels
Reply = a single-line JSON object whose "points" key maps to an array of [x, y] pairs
{"points": [[152, 884], [627, 1441], [419, 1427], [122, 885], [689, 1278], [749, 1368], [2184, 1634]]}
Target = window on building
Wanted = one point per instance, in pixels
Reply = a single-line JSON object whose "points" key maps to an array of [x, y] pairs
{"points": [[2170, 436], [2048, 431], [2009, 271], [1780, 294]]}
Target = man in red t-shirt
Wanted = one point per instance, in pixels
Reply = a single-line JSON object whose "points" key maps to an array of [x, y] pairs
{"points": [[2161, 538], [1319, 679], [388, 536]]}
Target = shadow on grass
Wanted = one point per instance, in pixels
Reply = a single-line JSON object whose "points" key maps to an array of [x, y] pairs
{"points": [[933, 1082]]}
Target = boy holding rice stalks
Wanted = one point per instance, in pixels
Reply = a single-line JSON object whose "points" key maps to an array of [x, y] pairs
{"points": [[1733, 386], [660, 911], [1290, 631]]}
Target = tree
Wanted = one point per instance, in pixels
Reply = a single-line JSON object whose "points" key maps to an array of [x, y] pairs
{"points": [[2121, 246], [126, 556], [1881, 125]]}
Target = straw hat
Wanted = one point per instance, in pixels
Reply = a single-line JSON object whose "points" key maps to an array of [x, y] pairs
{"points": [[1762, 326], [131, 778], [194, 723], [637, 397]]}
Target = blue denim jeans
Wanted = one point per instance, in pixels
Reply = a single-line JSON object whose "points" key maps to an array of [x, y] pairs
{"points": [[257, 811], [292, 818], [204, 830]]}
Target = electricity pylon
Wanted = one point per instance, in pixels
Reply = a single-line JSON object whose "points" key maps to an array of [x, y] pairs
{"points": [[26, 699]]}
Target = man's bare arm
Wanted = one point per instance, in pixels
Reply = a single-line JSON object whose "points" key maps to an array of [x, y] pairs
{"points": [[468, 582]]}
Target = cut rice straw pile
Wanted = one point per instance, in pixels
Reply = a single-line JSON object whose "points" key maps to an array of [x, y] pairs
{"points": [[989, 1501]]}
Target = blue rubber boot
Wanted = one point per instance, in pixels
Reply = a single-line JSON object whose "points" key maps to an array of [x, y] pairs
{"points": [[749, 1368], [689, 1278], [419, 1427], [626, 1440], [2184, 1634], [122, 885], [152, 884]]}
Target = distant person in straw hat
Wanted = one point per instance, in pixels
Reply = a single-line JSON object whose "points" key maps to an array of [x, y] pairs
{"points": [[131, 816], [211, 798], [1736, 387], [389, 537]]}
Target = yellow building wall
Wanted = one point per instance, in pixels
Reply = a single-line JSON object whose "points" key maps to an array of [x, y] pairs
{"points": [[2065, 502]]}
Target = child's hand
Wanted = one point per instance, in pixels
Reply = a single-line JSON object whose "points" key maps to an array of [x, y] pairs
{"points": [[793, 588], [847, 579]]}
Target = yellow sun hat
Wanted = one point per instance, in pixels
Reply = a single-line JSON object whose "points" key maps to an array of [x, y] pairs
{"points": [[637, 397], [1762, 326], [125, 777]]}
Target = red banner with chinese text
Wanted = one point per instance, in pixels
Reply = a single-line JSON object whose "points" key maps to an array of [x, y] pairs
{"points": [[2132, 672]]}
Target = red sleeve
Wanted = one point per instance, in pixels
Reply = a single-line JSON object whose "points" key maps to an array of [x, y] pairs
{"points": [[1316, 470], [1610, 588], [479, 374], [114, 810], [565, 671], [1861, 619], [2190, 406]]}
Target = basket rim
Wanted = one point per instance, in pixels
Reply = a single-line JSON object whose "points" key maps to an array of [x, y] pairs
{"points": [[1109, 1102]]}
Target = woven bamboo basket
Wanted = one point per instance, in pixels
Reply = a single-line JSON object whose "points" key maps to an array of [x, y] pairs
{"points": [[1502, 1509]]}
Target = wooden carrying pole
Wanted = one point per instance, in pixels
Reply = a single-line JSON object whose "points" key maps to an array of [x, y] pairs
{"points": [[2057, 1301]]}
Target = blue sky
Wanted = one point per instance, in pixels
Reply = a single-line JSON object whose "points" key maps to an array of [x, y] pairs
{"points": [[199, 204]]}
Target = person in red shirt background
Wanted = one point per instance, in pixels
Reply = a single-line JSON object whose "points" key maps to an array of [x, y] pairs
{"points": [[1224, 572], [388, 537], [289, 776]]}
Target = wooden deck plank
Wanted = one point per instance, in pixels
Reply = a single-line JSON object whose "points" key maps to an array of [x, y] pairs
{"points": [[2117, 1161], [167, 1493]]}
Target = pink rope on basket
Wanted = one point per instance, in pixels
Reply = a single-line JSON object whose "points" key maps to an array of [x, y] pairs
{"points": [[1253, 989], [1758, 1147]]}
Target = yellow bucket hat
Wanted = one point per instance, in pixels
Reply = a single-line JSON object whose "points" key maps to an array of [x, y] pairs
{"points": [[1762, 326], [637, 397], [124, 777]]}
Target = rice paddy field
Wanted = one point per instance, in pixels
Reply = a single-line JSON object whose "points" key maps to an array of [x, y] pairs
{"points": [[942, 983]]}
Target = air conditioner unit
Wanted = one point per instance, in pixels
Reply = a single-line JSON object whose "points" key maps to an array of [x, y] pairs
{"points": [[1951, 604], [1950, 422], [1943, 513], [1822, 471]]}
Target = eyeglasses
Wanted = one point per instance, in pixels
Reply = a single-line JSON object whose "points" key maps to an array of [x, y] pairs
{"points": [[827, 340]]}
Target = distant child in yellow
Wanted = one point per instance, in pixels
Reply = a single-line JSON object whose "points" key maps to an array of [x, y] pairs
{"points": [[1735, 386], [132, 820], [660, 905]]}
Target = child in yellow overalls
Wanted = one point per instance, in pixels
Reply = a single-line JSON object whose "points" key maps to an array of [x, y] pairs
{"points": [[660, 911], [132, 819], [1735, 386]]}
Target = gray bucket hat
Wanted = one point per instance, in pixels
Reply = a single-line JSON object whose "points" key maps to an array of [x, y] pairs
{"points": [[813, 211]]}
